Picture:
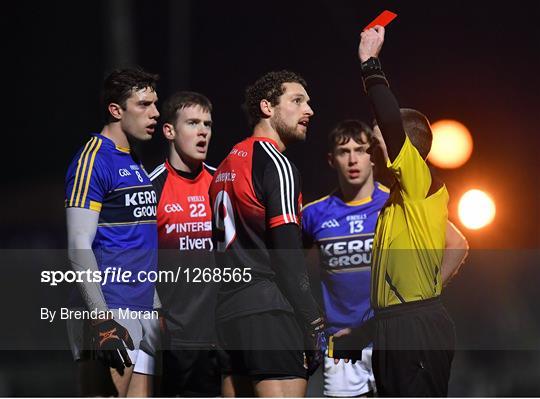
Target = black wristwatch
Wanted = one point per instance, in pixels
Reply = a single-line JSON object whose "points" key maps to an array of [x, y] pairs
{"points": [[372, 73], [370, 66]]}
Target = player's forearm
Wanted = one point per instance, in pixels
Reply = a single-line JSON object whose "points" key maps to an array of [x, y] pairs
{"points": [[289, 264], [456, 250], [452, 261], [386, 109], [157, 301], [81, 257], [82, 260]]}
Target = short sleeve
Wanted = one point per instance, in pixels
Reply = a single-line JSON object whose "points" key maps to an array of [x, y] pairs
{"points": [[88, 178], [281, 190], [411, 172]]}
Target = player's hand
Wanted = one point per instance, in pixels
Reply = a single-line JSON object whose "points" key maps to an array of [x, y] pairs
{"points": [[349, 344], [110, 341], [315, 345], [371, 42], [342, 333]]}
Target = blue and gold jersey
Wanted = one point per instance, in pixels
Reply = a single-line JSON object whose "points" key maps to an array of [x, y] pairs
{"points": [[343, 232], [106, 179]]}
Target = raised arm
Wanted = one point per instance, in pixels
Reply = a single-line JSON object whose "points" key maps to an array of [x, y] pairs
{"points": [[385, 105]]}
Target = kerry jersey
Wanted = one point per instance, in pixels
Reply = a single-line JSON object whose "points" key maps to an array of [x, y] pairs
{"points": [[255, 188], [106, 179], [343, 232], [185, 240]]}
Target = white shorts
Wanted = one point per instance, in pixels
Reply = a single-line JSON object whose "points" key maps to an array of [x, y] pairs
{"points": [[348, 379], [144, 333]]}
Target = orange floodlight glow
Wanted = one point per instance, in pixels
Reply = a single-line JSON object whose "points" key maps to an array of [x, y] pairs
{"points": [[452, 144], [476, 209]]}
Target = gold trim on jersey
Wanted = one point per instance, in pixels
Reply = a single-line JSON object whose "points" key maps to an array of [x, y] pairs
{"points": [[123, 149], [348, 270], [127, 188], [359, 202], [95, 206], [90, 169], [331, 346], [127, 223], [81, 172], [382, 187], [347, 236], [314, 202]]}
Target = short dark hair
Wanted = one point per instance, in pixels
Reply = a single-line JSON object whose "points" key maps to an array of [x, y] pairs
{"points": [[349, 129], [417, 128], [181, 100], [269, 87], [121, 83]]}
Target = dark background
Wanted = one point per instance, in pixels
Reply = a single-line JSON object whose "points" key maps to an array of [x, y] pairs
{"points": [[476, 62]]}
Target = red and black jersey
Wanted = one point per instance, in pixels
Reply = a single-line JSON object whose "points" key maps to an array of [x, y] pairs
{"points": [[184, 216], [184, 237], [255, 188]]}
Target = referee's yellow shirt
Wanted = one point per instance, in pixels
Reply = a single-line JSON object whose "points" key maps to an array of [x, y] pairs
{"points": [[410, 235]]}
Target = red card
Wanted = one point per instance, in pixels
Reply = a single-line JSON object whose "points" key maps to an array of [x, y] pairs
{"points": [[383, 19]]}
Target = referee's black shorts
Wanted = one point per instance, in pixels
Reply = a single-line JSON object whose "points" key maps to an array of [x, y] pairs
{"points": [[191, 373], [413, 349], [266, 345]]}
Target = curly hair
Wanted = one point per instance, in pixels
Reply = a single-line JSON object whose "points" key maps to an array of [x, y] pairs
{"points": [[349, 129], [121, 83], [268, 87], [181, 100]]}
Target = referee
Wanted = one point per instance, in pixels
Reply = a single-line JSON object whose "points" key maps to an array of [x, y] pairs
{"points": [[414, 335]]}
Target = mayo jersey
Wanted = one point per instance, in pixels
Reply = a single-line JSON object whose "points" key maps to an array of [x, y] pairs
{"points": [[343, 232], [183, 213], [185, 241], [106, 179], [255, 189]]}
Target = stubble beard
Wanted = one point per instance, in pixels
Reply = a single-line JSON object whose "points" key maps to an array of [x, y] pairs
{"points": [[287, 134]]}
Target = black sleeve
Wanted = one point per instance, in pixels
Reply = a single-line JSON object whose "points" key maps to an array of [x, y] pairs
{"points": [[277, 184], [289, 264], [386, 109], [158, 178], [307, 240], [388, 118]]}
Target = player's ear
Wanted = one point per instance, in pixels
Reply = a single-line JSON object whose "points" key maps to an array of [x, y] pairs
{"points": [[266, 107], [330, 159], [168, 131], [115, 110]]}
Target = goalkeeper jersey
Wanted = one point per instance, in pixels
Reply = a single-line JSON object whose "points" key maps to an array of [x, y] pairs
{"points": [[343, 232], [105, 178]]}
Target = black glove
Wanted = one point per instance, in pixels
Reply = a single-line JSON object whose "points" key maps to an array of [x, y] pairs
{"points": [[109, 339], [315, 345], [350, 346]]}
